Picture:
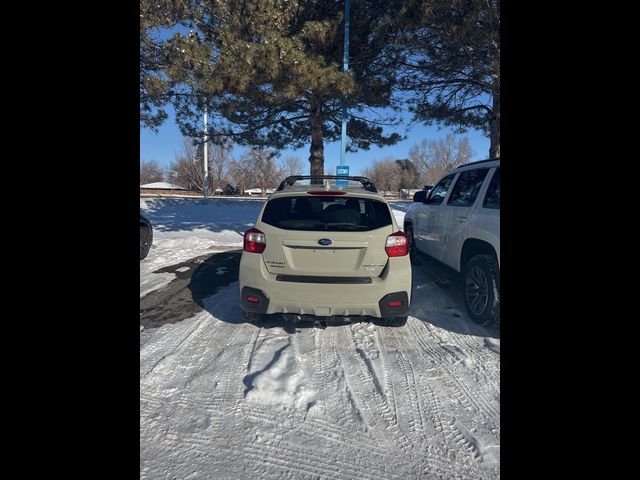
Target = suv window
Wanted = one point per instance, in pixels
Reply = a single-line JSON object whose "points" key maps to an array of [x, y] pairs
{"points": [[492, 198], [440, 190], [331, 214], [466, 189]]}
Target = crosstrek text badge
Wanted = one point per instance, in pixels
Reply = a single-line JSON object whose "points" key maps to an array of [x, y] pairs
{"points": [[325, 241]]}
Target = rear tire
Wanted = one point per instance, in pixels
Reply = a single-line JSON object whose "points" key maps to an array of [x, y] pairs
{"points": [[393, 321], [482, 289], [251, 317], [145, 242], [412, 245]]}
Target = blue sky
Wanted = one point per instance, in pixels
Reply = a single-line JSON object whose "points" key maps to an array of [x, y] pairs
{"points": [[163, 146]]}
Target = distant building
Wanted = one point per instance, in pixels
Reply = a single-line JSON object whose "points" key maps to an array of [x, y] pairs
{"points": [[164, 188]]}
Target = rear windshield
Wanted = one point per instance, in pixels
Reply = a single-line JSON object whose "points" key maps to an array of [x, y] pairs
{"points": [[332, 214]]}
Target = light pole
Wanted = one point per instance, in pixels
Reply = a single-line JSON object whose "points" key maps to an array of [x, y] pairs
{"points": [[345, 66], [206, 170]]}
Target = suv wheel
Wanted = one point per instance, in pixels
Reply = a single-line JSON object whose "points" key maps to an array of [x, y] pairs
{"points": [[144, 242], [252, 317], [393, 321], [412, 245], [482, 289]]}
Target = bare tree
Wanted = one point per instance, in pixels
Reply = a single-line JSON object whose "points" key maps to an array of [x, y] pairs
{"points": [[150, 172], [187, 170], [241, 174], [409, 175], [256, 169], [219, 156], [265, 173], [386, 174], [435, 158], [291, 165]]}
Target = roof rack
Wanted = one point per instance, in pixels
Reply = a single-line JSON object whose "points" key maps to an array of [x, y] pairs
{"points": [[479, 161], [289, 181]]}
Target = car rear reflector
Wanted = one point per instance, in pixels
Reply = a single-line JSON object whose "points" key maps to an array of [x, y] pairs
{"points": [[395, 304], [253, 299], [254, 241], [326, 193], [397, 244]]}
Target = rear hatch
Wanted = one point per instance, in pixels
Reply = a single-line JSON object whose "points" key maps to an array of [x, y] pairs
{"points": [[329, 238]]}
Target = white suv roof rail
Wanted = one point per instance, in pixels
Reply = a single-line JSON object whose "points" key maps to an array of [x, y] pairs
{"points": [[479, 161]]}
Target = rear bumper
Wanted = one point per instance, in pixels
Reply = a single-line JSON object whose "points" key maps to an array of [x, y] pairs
{"points": [[325, 299]]}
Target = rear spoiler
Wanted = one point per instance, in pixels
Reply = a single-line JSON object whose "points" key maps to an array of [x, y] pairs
{"points": [[367, 184]]}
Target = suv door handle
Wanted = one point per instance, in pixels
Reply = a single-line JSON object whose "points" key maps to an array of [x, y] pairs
{"points": [[462, 219]]}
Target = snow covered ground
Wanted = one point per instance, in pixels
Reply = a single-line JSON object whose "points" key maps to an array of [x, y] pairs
{"points": [[185, 228], [224, 399]]}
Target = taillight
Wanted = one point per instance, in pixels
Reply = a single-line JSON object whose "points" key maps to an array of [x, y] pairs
{"points": [[397, 244], [254, 241]]}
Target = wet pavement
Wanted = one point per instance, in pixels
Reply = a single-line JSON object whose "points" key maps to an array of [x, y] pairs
{"points": [[196, 279]]}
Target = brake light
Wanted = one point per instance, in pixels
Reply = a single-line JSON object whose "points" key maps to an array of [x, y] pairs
{"points": [[254, 241], [326, 193], [397, 244]]}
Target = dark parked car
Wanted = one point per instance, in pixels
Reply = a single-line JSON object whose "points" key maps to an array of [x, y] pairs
{"points": [[146, 237], [230, 190]]}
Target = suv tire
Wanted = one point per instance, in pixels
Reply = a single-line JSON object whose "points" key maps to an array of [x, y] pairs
{"points": [[393, 321], [252, 317], [145, 244], [481, 289], [412, 245]]}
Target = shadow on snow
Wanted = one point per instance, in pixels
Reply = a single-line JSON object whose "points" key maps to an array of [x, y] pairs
{"points": [[437, 298]]}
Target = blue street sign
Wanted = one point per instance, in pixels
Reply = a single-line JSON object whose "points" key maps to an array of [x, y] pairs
{"points": [[342, 171]]}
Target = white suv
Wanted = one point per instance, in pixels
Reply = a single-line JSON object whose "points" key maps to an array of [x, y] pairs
{"points": [[458, 223], [326, 251]]}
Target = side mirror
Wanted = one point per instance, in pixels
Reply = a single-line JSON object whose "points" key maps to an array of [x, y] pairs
{"points": [[420, 196]]}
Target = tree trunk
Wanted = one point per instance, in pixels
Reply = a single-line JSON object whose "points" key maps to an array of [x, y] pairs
{"points": [[494, 126], [316, 159]]}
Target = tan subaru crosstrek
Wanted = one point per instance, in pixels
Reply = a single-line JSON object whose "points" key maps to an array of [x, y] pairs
{"points": [[321, 251]]}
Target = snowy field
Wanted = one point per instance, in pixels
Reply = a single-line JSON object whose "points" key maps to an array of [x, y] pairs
{"points": [[222, 399]]}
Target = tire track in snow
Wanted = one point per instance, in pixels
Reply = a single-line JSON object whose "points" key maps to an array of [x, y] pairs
{"points": [[449, 448], [378, 412], [472, 395], [406, 428], [424, 430], [360, 441], [415, 420], [449, 384], [339, 418], [181, 434], [160, 346], [487, 364], [337, 399], [355, 450], [279, 454], [310, 345], [468, 395]]}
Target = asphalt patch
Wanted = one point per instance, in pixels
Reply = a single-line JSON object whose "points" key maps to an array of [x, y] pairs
{"points": [[196, 279]]}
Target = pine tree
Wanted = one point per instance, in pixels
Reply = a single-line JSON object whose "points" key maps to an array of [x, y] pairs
{"points": [[157, 17], [275, 75], [450, 58]]}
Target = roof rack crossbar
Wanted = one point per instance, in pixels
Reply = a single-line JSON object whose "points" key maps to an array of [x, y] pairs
{"points": [[289, 181]]}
